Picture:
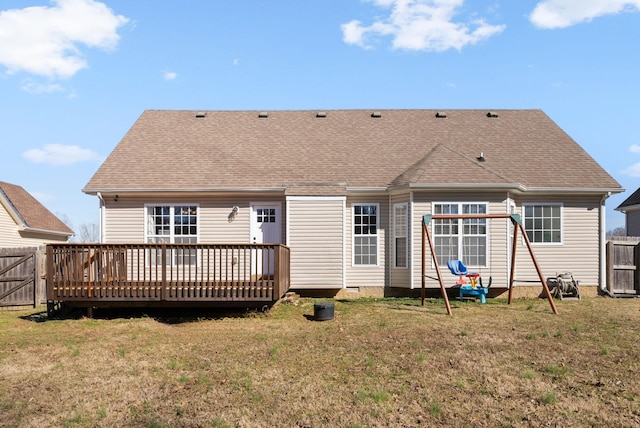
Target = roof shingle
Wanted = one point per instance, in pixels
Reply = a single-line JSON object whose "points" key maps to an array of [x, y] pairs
{"points": [[32, 212], [175, 150]]}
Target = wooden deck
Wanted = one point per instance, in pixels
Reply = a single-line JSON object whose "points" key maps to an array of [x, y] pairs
{"points": [[166, 274]]}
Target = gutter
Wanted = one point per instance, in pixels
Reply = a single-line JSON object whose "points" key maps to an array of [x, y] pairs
{"points": [[101, 225], [603, 244], [48, 232], [182, 190]]}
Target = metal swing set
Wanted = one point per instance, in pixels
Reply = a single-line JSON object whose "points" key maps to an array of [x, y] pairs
{"points": [[517, 223]]}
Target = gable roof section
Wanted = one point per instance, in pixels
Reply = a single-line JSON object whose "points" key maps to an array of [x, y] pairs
{"points": [[301, 151], [443, 165], [29, 212], [631, 203]]}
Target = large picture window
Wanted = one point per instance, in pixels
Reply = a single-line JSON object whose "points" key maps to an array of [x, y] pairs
{"points": [[400, 233], [543, 223], [461, 239], [365, 234], [175, 224]]}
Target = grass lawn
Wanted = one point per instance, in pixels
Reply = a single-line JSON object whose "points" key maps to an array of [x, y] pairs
{"points": [[379, 362]]}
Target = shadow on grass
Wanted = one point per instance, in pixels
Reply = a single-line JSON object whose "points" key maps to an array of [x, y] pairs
{"points": [[161, 315]]}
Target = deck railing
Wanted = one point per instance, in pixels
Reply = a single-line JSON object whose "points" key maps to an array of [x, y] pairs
{"points": [[94, 273]]}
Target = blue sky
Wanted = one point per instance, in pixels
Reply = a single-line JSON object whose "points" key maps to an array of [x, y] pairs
{"points": [[76, 74]]}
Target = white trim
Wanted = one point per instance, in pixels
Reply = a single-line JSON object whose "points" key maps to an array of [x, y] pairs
{"points": [[541, 203], [411, 229], [394, 236], [316, 198], [171, 205], [353, 234], [253, 218], [344, 243], [460, 229]]}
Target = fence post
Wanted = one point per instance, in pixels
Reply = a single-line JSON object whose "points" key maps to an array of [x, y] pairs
{"points": [[163, 260]]}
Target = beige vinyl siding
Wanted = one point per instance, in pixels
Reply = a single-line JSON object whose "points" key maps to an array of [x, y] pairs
{"points": [[125, 219], [400, 277], [316, 239], [632, 222], [579, 251], [12, 237], [368, 276], [497, 232]]}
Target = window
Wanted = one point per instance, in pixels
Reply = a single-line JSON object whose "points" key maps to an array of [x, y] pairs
{"points": [[365, 234], [461, 239], [543, 223], [176, 224], [400, 226]]}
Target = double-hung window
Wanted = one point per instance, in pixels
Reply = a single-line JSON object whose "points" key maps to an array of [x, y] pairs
{"points": [[400, 232], [175, 224], [365, 234], [543, 223], [461, 239]]}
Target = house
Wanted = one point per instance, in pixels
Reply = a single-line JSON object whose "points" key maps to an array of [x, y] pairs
{"points": [[346, 191], [631, 209], [25, 222]]}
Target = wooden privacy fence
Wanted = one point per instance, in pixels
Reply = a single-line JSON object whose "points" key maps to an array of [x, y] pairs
{"points": [[623, 261], [21, 272], [95, 274]]}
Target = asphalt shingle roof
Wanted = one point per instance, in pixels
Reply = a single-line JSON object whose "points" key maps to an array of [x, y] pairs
{"points": [[32, 212], [306, 154]]}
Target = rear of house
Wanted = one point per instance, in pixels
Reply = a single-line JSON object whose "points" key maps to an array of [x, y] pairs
{"points": [[346, 191]]}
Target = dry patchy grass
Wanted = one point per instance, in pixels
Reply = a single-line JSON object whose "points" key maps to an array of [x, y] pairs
{"points": [[387, 362]]}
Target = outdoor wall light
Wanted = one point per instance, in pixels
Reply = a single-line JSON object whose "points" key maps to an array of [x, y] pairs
{"points": [[234, 212]]}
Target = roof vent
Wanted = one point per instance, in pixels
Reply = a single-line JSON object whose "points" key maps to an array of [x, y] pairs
{"points": [[441, 114], [492, 114], [263, 114], [200, 114], [376, 114], [321, 114], [481, 157]]}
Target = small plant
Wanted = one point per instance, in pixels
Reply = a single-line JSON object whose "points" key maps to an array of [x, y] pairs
{"points": [[528, 374], [435, 409], [604, 351], [463, 333], [530, 336], [173, 364], [422, 357], [377, 396], [548, 398], [183, 378], [274, 351], [556, 370], [558, 334]]}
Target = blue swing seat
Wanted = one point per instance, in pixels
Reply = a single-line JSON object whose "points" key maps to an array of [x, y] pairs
{"points": [[459, 269]]}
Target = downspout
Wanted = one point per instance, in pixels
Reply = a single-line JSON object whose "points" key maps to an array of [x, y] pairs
{"points": [[603, 245], [101, 223]]}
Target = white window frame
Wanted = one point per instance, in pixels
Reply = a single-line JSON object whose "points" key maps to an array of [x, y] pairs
{"points": [[171, 237], [354, 235], [544, 204], [404, 233], [460, 234]]}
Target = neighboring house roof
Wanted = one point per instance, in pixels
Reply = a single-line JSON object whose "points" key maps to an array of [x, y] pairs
{"points": [[632, 202], [29, 213], [312, 153]]}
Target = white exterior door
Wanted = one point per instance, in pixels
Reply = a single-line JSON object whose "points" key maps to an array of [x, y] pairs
{"points": [[266, 228]]}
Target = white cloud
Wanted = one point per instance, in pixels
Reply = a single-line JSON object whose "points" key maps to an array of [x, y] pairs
{"points": [[169, 75], [33, 87], [420, 25], [634, 148], [564, 13], [58, 154], [633, 170], [45, 40]]}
